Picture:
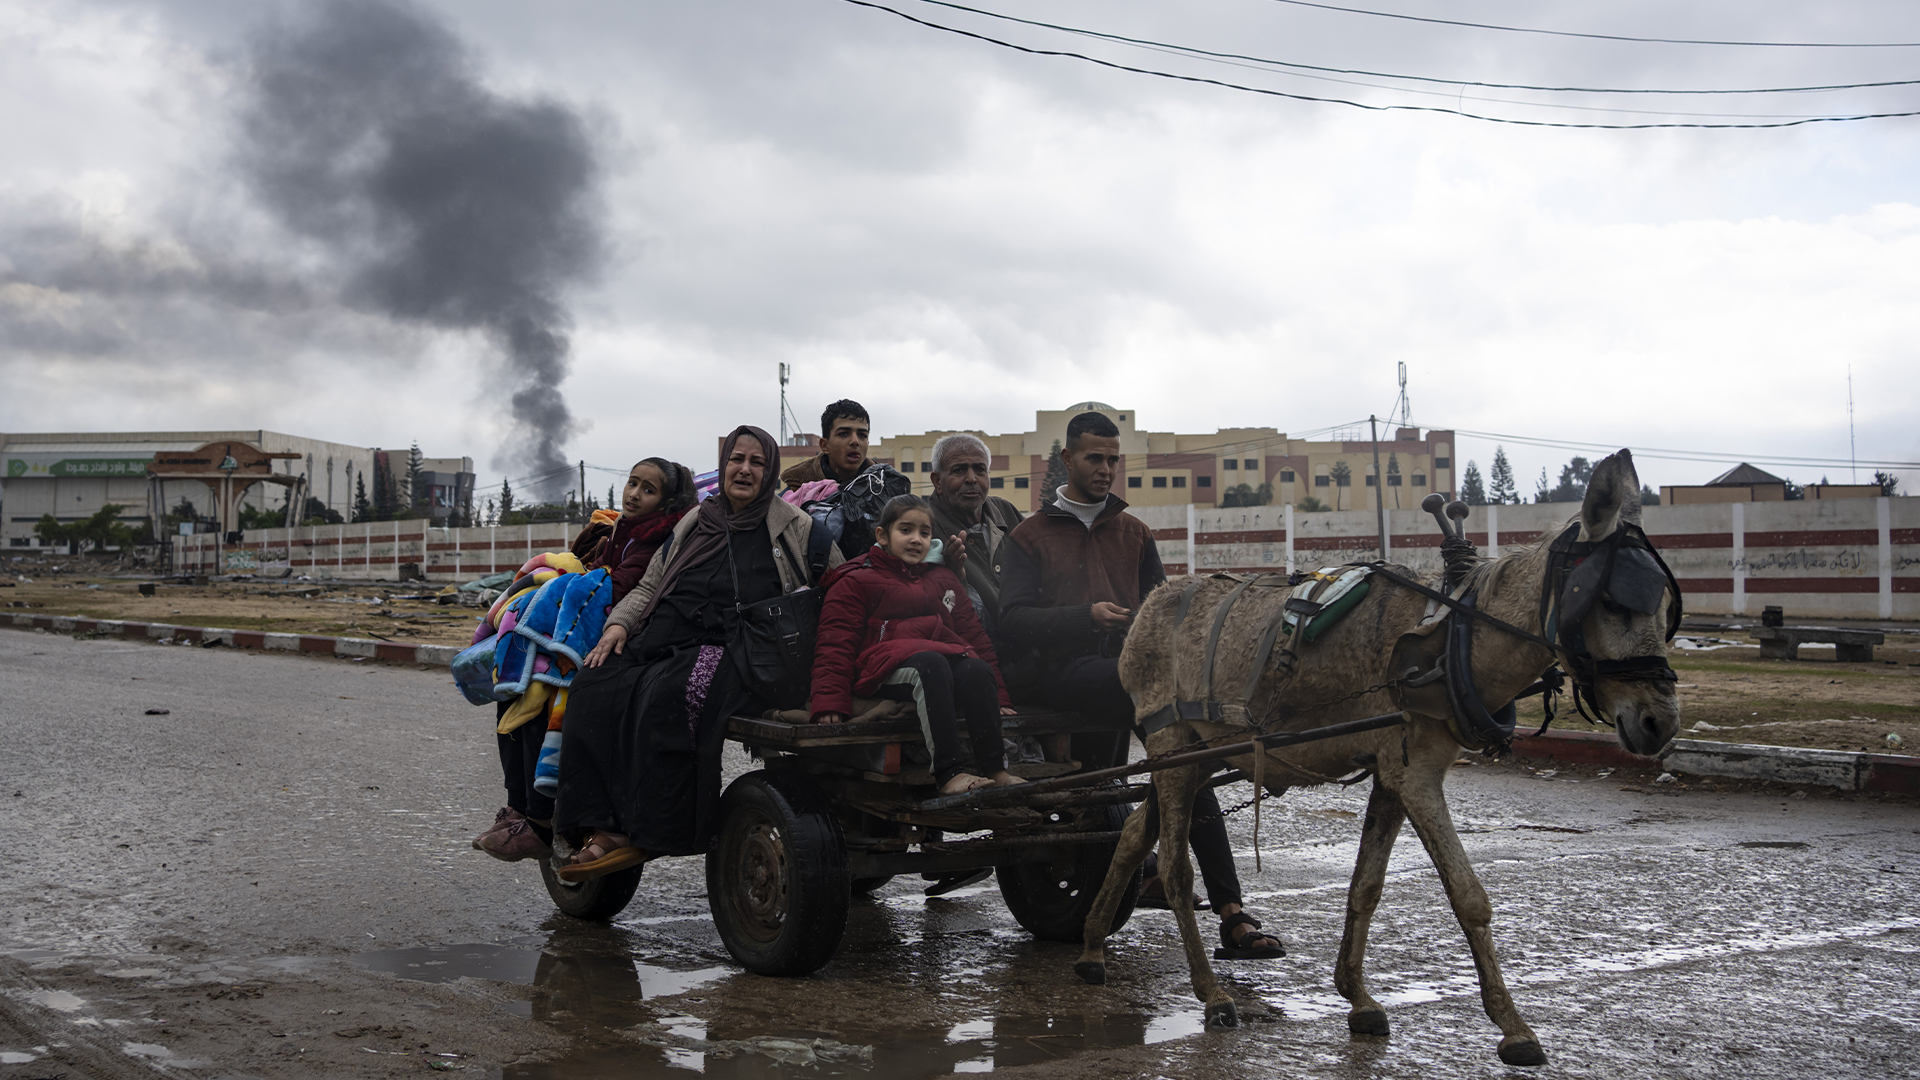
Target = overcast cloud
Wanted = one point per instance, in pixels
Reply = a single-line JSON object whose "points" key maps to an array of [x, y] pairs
{"points": [[958, 235]]}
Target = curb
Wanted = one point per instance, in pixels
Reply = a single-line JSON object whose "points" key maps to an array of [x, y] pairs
{"points": [[1887, 773], [310, 644]]}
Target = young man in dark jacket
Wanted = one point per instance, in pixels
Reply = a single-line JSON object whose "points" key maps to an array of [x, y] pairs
{"points": [[845, 432], [1072, 577]]}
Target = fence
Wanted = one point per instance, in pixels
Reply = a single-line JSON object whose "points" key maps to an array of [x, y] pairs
{"points": [[1831, 558]]}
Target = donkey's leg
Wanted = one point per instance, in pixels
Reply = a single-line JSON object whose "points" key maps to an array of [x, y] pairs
{"points": [[1136, 839], [1176, 789], [1427, 807], [1385, 813]]}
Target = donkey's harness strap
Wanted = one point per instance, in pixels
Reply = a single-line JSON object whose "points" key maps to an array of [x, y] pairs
{"points": [[1433, 594], [1166, 716]]}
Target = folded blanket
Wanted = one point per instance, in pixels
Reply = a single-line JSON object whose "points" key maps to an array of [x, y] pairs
{"points": [[566, 616], [473, 671]]}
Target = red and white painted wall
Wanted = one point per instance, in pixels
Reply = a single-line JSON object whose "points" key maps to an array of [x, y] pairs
{"points": [[1835, 558]]}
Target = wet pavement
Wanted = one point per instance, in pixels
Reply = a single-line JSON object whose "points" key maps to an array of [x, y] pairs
{"points": [[273, 879]]}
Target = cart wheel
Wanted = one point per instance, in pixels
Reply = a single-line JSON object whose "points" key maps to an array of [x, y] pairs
{"points": [[599, 900], [867, 886], [777, 877], [1052, 898]]}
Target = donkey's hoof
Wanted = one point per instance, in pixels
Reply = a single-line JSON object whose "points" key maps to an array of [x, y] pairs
{"points": [[1373, 1021], [1522, 1050], [1223, 1014], [1091, 971]]}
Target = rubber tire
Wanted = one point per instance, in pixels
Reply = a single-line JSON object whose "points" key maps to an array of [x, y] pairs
{"points": [[1053, 906], [777, 880], [597, 900], [867, 886]]}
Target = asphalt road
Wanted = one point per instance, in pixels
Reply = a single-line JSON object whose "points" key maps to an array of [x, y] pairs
{"points": [[273, 879]]}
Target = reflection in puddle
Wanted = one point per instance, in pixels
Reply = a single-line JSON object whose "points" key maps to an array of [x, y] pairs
{"points": [[592, 990]]}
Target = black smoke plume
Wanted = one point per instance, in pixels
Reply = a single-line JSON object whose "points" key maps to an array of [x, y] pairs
{"points": [[367, 130]]}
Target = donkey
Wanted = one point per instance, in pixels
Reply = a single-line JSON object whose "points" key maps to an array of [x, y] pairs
{"points": [[1616, 653]]}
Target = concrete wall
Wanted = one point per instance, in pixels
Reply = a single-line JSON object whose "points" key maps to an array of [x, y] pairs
{"points": [[1835, 558]]}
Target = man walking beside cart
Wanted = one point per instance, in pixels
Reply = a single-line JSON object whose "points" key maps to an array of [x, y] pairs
{"points": [[1071, 578]]}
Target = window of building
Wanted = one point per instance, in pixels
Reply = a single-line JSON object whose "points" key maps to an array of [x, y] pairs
{"points": [[1133, 481], [1020, 481], [1443, 463], [997, 482], [1346, 480], [1230, 463], [1203, 481], [1419, 479], [1393, 479], [1123, 418], [1251, 465], [926, 466], [1179, 481], [1160, 481], [1370, 479], [1286, 476], [1322, 480]]}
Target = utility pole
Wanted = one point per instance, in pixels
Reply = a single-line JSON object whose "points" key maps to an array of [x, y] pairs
{"points": [[1379, 487], [583, 489]]}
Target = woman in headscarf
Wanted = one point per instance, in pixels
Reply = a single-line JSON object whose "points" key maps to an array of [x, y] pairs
{"points": [[640, 765]]}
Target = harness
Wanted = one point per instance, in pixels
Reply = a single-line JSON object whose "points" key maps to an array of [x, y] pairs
{"points": [[1623, 570]]}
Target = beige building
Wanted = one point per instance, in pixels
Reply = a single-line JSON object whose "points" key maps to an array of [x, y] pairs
{"points": [[1162, 468], [1744, 483]]}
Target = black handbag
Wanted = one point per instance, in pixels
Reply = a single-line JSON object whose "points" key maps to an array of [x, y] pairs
{"points": [[772, 641]]}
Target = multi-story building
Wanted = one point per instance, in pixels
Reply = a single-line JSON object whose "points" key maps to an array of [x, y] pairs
{"points": [[71, 475], [1255, 464]]}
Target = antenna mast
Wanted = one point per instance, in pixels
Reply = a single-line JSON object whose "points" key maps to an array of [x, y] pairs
{"points": [[785, 371], [1853, 469], [1406, 407]]}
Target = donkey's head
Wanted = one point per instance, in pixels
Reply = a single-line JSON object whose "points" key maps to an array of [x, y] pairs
{"points": [[1620, 600]]}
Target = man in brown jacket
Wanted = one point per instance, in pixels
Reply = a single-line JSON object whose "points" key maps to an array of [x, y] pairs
{"points": [[1072, 577]]}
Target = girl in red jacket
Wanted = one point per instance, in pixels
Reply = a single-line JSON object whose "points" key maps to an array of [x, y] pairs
{"points": [[894, 625]]}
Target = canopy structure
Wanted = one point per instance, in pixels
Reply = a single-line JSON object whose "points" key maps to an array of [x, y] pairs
{"points": [[229, 468]]}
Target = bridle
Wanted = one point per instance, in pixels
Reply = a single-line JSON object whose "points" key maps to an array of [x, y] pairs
{"points": [[1622, 570]]}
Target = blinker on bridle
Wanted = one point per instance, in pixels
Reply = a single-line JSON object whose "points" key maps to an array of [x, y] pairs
{"points": [[1623, 569]]}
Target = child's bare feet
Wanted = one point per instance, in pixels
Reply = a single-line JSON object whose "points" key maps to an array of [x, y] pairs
{"points": [[964, 782], [1003, 778]]}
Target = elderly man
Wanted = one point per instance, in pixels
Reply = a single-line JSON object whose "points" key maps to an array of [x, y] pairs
{"points": [[961, 506], [1073, 575], [845, 433]]}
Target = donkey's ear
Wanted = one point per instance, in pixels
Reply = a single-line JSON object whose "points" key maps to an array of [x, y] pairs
{"points": [[1613, 495]]}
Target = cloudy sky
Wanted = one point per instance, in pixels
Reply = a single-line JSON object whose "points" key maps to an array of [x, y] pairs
{"points": [[224, 214]]}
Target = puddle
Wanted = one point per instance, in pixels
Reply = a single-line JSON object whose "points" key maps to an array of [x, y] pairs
{"points": [[17, 1057], [680, 1046], [539, 968], [1772, 844], [57, 1000]]}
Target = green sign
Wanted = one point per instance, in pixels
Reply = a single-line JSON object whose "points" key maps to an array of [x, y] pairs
{"points": [[77, 467]]}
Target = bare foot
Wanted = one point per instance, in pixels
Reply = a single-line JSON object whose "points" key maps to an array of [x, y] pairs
{"points": [[964, 782], [1003, 778]]}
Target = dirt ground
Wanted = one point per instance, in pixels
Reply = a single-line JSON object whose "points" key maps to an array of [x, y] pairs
{"points": [[385, 611], [1727, 693]]}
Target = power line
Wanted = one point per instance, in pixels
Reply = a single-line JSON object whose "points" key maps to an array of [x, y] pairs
{"points": [[1195, 51], [1711, 457], [1361, 105], [1611, 37]]}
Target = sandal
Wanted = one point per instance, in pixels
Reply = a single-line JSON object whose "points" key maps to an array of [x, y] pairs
{"points": [[602, 854], [1245, 947]]}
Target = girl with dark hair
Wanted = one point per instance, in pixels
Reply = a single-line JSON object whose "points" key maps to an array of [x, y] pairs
{"points": [[640, 756], [896, 625], [658, 494]]}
